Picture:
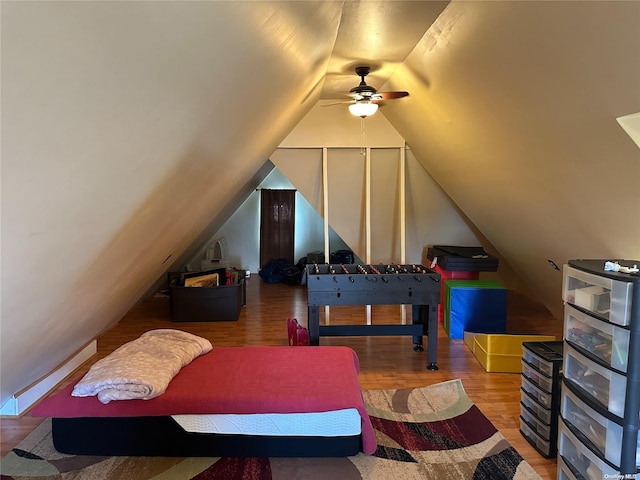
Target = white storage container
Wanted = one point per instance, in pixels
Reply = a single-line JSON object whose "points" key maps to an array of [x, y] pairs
{"points": [[603, 340], [603, 433], [542, 381], [610, 299], [583, 460], [603, 385], [544, 414], [540, 396]]}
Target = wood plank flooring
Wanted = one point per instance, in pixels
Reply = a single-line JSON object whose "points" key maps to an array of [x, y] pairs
{"points": [[386, 362]]}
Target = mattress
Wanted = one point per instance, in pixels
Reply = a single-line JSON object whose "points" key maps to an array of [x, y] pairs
{"points": [[233, 385], [326, 424], [162, 436]]}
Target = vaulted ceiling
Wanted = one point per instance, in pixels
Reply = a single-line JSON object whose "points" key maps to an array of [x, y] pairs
{"points": [[128, 126]]}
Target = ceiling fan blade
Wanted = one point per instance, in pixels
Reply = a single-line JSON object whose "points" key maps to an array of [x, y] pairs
{"points": [[346, 96], [364, 93], [392, 95], [336, 103]]}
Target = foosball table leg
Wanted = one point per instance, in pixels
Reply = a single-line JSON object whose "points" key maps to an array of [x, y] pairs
{"points": [[313, 319], [429, 317], [417, 339]]}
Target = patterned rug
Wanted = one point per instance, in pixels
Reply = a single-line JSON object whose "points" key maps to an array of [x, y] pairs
{"points": [[432, 432]]}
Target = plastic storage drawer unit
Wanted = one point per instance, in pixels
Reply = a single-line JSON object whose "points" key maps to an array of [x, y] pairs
{"points": [[537, 425], [546, 357], [529, 404], [544, 446], [603, 434], [580, 459], [605, 386], [540, 396], [564, 473], [542, 381], [607, 298], [601, 392], [605, 341]]}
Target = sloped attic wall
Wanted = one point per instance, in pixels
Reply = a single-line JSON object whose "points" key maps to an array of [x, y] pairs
{"points": [[431, 218], [242, 236], [125, 127], [513, 112]]}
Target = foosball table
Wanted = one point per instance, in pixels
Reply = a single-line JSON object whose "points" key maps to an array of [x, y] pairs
{"points": [[356, 284]]}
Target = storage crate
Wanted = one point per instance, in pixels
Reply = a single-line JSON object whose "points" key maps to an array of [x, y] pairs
{"points": [[500, 352], [206, 304]]}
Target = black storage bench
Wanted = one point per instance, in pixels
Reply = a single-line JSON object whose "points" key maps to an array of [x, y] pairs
{"points": [[207, 304]]}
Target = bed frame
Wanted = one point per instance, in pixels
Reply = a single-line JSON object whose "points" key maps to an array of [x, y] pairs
{"points": [[227, 380]]}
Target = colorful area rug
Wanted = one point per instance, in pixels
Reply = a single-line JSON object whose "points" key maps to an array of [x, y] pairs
{"points": [[433, 432]]}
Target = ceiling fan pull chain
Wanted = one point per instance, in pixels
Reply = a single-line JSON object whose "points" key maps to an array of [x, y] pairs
{"points": [[363, 151]]}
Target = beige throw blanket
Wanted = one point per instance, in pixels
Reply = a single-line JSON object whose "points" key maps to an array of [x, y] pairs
{"points": [[143, 367]]}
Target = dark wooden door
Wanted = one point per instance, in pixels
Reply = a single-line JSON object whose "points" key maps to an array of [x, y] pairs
{"points": [[277, 224]]}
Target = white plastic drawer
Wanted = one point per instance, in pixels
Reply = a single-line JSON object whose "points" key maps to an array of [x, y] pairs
{"points": [[543, 398], [535, 424], [542, 381], [605, 386], [608, 298], [544, 446], [563, 471], [604, 340], [583, 460], [544, 366], [604, 434], [534, 407]]}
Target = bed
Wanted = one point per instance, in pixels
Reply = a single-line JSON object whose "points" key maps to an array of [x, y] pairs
{"points": [[233, 401]]}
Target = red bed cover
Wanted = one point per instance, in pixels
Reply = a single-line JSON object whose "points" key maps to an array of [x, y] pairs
{"points": [[241, 380]]}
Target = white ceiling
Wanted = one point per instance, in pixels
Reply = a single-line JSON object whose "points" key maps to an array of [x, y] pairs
{"points": [[377, 34]]}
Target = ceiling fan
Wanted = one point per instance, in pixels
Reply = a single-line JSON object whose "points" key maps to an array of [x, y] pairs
{"points": [[365, 98]]}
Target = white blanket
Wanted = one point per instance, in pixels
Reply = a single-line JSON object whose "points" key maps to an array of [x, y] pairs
{"points": [[143, 367]]}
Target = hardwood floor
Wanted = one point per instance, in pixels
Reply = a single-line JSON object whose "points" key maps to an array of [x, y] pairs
{"points": [[386, 362]]}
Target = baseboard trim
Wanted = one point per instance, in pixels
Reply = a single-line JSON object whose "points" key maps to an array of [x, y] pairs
{"points": [[24, 399]]}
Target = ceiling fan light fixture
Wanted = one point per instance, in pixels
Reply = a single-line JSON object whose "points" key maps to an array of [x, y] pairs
{"points": [[363, 108]]}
